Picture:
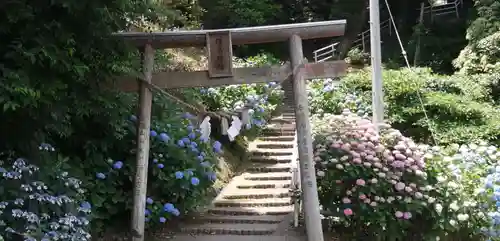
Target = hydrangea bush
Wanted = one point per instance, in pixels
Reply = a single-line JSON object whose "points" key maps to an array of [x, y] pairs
{"points": [[182, 171], [472, 170], [41, 204], [382, 184]]}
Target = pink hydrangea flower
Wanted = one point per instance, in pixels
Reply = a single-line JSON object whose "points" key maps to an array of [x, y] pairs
{"points": [[398, 214], [360, 182], [407, 215], [348, 212], [399, 186]]}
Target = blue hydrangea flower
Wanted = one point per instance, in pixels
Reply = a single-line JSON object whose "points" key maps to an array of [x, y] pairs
{"points": [[118, 165], [147, 212], [179, 175], [149, 200], [101, 175], [164, 137], [217, 147], [187, 115], [211, 176], [195, 181], [180, 143], [186, 140], [190, 128], [168, 207], [192, 135], [201, 158], [153, 133], [85, 205], [161, 166], [205, 164], [155, 160], [190, 172], [133, 118], [163, 220], [175, 212]]}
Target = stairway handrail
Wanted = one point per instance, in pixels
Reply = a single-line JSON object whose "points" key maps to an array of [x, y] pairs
{"points": [[326, 47]]}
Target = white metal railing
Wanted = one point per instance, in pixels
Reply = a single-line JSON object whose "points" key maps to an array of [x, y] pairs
{"points": [[364, 37], [325, 53], [442, 9], [329, 51]]}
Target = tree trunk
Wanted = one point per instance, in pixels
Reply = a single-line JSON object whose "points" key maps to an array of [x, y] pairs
{"points": [[358, 22]]}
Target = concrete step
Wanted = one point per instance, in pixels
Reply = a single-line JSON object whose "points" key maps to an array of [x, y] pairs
{"points": [[271, 160], [266, 202], [249, 219], [257, 193], [273, 153], [277, 133], [269, 176], [187, 237], [230, 229], [279, 167], [277, 138], [247, 184], [249, 211], [275, 145]]}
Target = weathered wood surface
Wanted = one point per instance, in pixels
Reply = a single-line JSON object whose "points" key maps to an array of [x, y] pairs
{"points": [[305, 146], [220, 54], [239, 36], [142, 158], [175, 80]]}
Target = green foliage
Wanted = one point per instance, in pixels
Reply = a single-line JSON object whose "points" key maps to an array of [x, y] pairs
{"points": [[482, 54], [459, 108], [238, 13]]}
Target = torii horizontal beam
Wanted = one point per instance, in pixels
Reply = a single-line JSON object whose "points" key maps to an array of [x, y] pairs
{"points": [[239, 36], [250, 75]]}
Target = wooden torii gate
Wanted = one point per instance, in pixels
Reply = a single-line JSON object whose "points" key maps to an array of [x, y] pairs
{"points": [[221, 72]]}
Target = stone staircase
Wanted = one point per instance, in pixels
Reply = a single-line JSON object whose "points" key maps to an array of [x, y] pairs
{"points": [[256, 205]]}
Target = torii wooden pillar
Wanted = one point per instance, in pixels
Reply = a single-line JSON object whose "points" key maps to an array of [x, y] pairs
{"points": [[220, 72]]}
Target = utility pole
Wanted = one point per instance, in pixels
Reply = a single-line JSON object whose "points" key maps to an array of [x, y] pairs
{"points": [[376, 62]]}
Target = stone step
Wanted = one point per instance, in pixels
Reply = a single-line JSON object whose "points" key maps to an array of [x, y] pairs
{"points": [[278, 138], [277, 133], [266, 202], [257, 154], [249, 211], [274, 237], [249, 219], [247, 184], [271, 160], [231, 229], [269, 176], [280, 127], [279, 167], [257, 193], [275, 145]]}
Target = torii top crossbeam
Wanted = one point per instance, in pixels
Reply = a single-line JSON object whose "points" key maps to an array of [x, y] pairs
{"points": [[239, 36]]}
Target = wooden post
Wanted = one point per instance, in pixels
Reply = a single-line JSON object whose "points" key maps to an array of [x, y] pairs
{"points": [[417, 47], [142, 158], [305, 144]]}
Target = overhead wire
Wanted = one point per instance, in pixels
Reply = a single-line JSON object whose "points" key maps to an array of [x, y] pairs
{"points": [[405, 56]]}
